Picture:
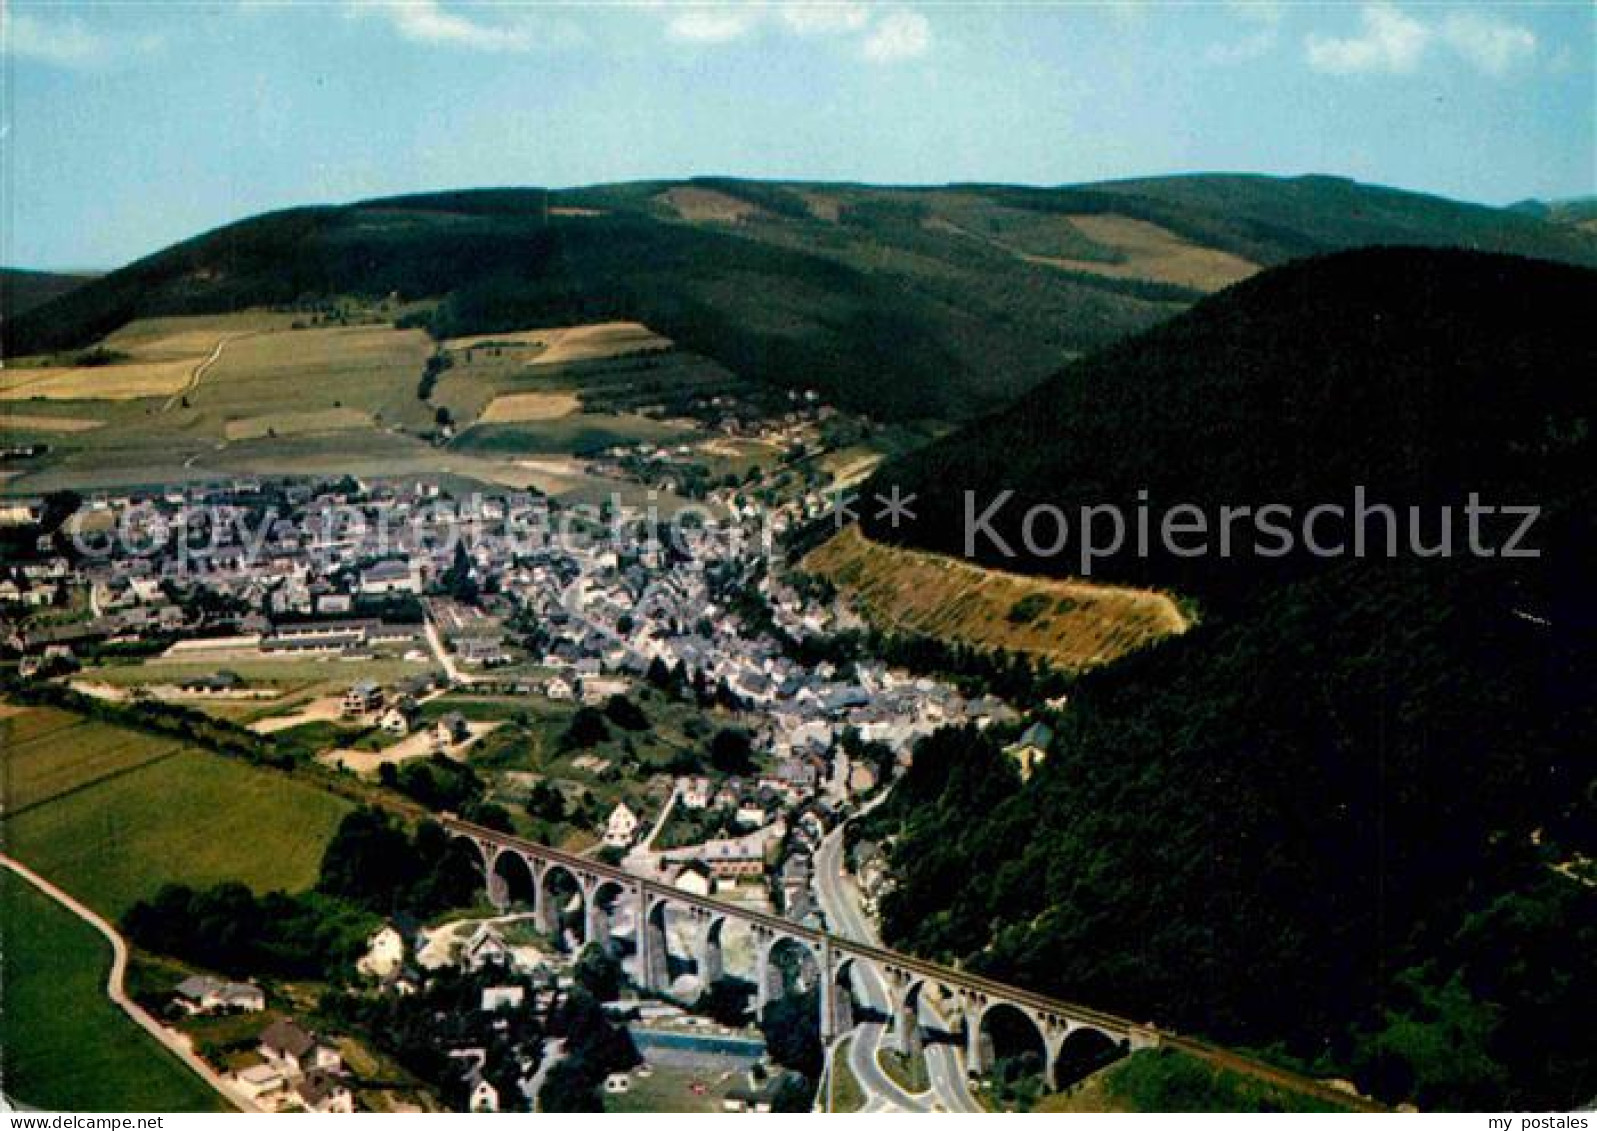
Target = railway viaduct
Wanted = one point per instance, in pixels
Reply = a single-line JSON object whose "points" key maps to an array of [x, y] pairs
{"points": [[1066, 1032]]}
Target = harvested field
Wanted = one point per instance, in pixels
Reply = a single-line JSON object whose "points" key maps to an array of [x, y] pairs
{"points": [[1072, 624], [97, 382], [509, 408]]}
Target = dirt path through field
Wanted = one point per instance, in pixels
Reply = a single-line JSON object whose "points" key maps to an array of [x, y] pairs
{"points": [[199, 372]]}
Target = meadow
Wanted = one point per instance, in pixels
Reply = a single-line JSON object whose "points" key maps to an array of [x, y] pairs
{"points": [[122, 822], [63, 1045], [70, 756]]}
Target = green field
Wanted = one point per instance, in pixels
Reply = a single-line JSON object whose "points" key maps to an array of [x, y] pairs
{"points": [[70, 757], [63, 1045], [191, 817]]}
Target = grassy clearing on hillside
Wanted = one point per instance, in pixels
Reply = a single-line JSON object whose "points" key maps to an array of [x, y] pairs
{"points": [[1146, 251], [371, 369], [1073, 624], [195, 817], [63, 1045]]}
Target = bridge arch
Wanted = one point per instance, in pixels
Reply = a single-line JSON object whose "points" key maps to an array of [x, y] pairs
{"points": [[1009, 1043], [1083, 1051], [561, 905], [786, 963], [669, 921], [603, 902], [512, 880]]}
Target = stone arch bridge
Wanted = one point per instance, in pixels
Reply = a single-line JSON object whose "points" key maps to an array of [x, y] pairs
{"points": [[1065, 1033], [1069, 1035]]}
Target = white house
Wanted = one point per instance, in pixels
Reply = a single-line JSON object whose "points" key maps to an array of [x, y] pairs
{"points": [[484, 1096], [621, 828], [449, 731], [498, 997], [385, 953], [293, 1051], [200, 994], [695, 792], [485, 945]]}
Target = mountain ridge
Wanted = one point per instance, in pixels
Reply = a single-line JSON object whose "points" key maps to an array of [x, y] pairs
{"points": [[941, 302]]}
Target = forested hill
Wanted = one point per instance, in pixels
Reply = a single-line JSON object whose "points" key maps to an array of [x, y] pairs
{"points": [[933, 302], [1349, 817], [22, 290], [1420, 375]]}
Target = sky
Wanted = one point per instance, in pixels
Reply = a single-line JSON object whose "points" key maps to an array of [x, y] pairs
{"points": [[129, 126]]}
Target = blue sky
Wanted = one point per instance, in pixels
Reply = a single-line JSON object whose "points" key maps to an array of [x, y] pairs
{"points": [[132, 125]]}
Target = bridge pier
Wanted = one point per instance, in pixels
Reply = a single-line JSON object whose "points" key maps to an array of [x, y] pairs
{"points": [[976, 1050], [708, 957], [595, 922], [828, 993], [842, 980], [654, 954]]}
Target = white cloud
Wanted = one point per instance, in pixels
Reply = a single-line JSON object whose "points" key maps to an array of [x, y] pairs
{"points": [[1488, 43], [428, 21], [720, 23], [901, 34], [64, 42], [880, 35], [1388, 41], [824, 18]]}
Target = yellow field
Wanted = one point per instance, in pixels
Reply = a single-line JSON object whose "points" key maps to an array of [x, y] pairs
{"points": [[1077, 625], [510, 408], [11, 421], [562, 344], [1152, 252], [295, 423], [97, 382], [189, 336]]}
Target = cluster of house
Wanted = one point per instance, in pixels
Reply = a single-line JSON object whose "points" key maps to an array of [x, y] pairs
{"points": [[399, 958], [398, 712], [295, 1068]]}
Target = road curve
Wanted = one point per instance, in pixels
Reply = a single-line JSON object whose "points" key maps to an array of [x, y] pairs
{"points": [[115, 990], [946, 1072]]}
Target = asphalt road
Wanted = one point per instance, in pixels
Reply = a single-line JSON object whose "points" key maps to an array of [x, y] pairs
{"points": [[945, 1069]]}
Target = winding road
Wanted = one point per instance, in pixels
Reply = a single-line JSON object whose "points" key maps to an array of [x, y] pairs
{"points": [[117, 992], [838, 899]]}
